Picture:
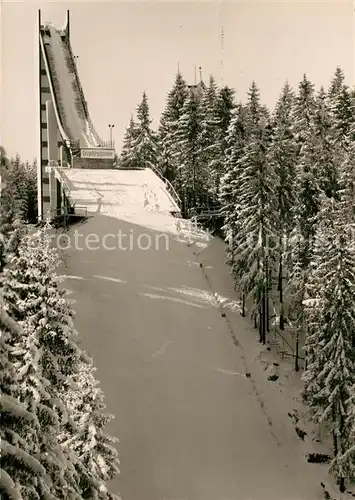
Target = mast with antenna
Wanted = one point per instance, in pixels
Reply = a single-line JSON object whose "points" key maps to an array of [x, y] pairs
{"points": [[222, 50]]}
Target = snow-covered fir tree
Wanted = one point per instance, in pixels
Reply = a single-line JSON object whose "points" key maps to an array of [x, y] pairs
{"points": [[11, 211], [342, 108], [96, 449], [283, 158], [48, 353], [32, 297], [329, 379], [225, 107], [144, 144], [208, 139], [228, 191], [307, 193], [167, 142], [336, 84], [191, 178], [22, 475], [326, 161], [347, 174], [127, 160], [255, 210]]}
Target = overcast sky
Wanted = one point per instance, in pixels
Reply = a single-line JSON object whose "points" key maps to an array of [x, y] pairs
{"points": [[126, 48]]}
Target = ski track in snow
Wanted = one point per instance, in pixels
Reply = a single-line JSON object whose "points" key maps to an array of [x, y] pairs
{"points": [[69, 277], [244, 360], [108, 278]]}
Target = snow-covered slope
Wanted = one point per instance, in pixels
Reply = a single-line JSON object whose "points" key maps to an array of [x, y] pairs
{"points": [[196, 411], [138, 196]]}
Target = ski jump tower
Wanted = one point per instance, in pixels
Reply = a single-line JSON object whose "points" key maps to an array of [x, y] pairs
{"points": [[68, 138]]}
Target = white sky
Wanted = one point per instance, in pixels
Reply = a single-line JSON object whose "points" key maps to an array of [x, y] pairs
{"points": [[125, 48]]}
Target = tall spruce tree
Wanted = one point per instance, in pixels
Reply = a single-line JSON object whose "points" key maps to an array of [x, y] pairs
{"points": [[191, 180], [144, 148], [326, 162], [208, 140], [127, 159], [330, 313], [228, 192], [168, 127], [225, 107], [255, 212], [283, 158], [307, 196]]}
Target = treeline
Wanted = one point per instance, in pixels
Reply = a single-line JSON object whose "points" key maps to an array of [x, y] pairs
{"points": [[21, 181], [18, 191], [53, 417], [285, 183]]}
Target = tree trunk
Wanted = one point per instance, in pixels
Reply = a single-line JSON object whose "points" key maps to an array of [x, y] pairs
{"points": [[335, 441], [267, 288], [342, 485], [341, 479], [263, 312], [243, 304], [296, 356], [280, 288]]}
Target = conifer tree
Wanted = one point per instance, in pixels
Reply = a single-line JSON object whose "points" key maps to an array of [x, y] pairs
{"points": [[44, 353], [30, 191], [10, 223], [326, 166], [336, 84], [347, 176], [33, 295], [283, 158], [342, 107], [225, 107], [255, 211], [192, 176], [95, 448], [127, 159], [22, 476], [228, 192], [144, 149], [307, 195], [208, 139], [330, 312], [168, 128]]}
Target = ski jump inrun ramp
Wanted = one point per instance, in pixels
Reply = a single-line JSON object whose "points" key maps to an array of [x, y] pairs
{"points": [[77, 166]]}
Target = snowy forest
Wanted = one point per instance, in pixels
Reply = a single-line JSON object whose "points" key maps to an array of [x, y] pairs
{"points": [[283, 182], [53, 440]]}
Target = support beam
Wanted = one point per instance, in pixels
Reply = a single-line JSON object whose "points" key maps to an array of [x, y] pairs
{"points": [[68, 25], [39, 162]]}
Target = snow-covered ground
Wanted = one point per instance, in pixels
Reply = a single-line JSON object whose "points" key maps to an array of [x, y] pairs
{"points": [[138, 196], [197, 415]]}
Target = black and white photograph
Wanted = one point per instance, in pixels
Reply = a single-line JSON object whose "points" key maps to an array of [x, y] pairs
{"points": [[177, 250]]}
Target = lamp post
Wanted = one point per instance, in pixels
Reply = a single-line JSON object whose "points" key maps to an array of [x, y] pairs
{"points": [[110, 128]]}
